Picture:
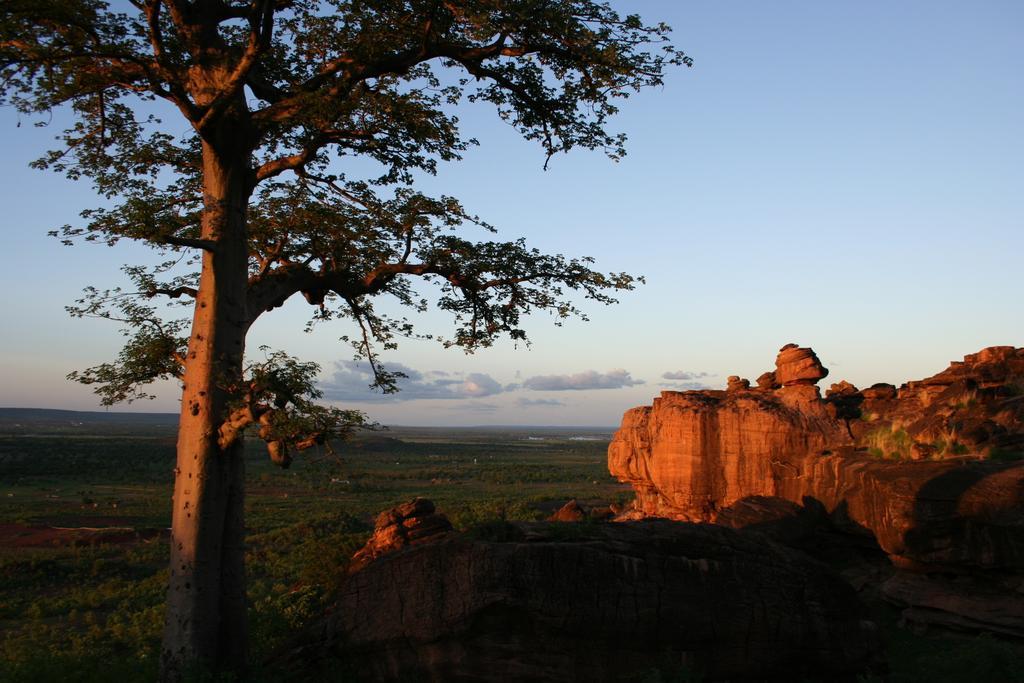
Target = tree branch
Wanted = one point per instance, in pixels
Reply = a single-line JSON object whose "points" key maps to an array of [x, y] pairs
{"points": [[173, 292], [261, 20], [188, 242], [297, 162]]}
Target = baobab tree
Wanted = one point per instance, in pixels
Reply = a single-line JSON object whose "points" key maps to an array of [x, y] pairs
{"points": [[286, 104]]}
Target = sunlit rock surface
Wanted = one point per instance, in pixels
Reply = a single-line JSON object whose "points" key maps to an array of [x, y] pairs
{"points": [[929, 471], [407, 524], [570, 512], [906, 465]]}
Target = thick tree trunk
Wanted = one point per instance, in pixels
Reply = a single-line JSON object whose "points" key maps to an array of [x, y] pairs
{"points": [[206, 624]]}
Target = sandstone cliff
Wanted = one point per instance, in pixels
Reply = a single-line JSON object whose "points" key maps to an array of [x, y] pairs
{"points": [[919, 467]]}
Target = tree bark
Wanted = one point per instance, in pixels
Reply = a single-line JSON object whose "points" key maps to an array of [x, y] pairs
{"points": [[206, 623]]}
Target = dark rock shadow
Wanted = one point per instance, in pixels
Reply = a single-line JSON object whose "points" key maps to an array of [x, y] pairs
{"points": [[970, 517]]}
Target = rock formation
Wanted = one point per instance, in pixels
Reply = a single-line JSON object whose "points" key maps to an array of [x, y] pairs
{"points": [[574, 511], [923, 469], [737, 383], [797, 365], [607, 602], [570, 512], [963, 603], [406, 524], [694, 453]]}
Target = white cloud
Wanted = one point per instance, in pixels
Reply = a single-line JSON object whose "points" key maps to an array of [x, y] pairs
{"points": [[535, 402], [475, 407], [686, 386], [591, 379], [351, 381], [686, 375]]}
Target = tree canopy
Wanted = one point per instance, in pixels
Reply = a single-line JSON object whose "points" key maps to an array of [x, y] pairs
{"points": [[307, 125], [302, 86]]}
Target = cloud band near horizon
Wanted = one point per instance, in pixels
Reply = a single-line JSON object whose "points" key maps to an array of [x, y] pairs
{"points": [[352, 379]]}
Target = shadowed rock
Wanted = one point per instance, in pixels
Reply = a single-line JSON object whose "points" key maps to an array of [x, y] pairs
{"points": [[961, 603], [605, 603]]}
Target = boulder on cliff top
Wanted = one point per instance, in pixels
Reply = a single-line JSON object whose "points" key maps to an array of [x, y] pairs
{"points": [[609, 603], [880, 390], [798, 365], [841, 388], [737, 383]]}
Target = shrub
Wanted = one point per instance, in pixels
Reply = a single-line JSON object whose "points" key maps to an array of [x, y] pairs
{"points": [[887, 442]]}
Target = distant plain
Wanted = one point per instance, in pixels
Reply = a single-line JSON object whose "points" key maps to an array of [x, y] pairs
{"points": [[85, 507]]}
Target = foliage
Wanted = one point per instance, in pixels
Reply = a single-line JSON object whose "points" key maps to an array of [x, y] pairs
{"points": [[949, 445], [289, 83], [307, 122], [91, 611], [889, 442]]}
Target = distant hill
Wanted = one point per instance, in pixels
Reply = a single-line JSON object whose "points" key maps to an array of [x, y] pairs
{"points": [[9, 416]]}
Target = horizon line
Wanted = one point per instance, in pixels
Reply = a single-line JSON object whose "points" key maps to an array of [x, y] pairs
{"points": [[113, 413]]}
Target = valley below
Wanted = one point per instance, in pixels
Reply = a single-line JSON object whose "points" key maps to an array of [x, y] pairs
{"points": [[757, 533]]}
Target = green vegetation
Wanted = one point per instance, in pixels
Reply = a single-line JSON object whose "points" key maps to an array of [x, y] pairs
{"points": [[88, 606], [894, 443], [950, 447], [265, 150], [887, 442]]}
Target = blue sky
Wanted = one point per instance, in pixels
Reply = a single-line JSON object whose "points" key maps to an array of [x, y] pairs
{"points": [[843, 175]]}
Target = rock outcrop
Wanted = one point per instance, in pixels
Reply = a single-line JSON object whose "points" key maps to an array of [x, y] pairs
{"points": [[922, 469], [607, 602], [960, 604], [570, 512], [974, 406], [407, 524], [574, 511], [737, 383], [890, 462], [798, 365], [692, 453]]}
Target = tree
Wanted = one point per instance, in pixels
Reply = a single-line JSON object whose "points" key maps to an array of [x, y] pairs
{"points": [[265, 197]]}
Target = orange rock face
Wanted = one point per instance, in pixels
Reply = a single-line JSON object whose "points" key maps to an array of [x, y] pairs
{"points": [[886, 460], [407, 524], [798, 365], [570, 512], [692, 453]]}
